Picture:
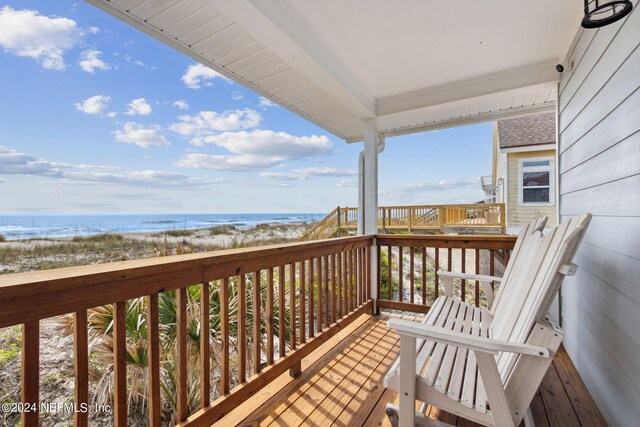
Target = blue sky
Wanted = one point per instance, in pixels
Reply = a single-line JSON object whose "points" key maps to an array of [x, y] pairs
{"points": [[97, 117]]}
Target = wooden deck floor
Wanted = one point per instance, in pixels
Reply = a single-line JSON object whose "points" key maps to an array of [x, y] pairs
{"points": [[343, 387]]}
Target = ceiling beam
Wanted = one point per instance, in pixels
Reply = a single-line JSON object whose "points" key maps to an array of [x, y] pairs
{"points": [[280, 28], [502, 81]]}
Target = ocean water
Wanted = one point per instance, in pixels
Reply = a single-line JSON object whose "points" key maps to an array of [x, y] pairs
{"points": [[14, 227]]}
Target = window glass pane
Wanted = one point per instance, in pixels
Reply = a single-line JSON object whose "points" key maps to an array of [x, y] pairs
{"points": [[535, 195], [533, 163], [535, 179]]}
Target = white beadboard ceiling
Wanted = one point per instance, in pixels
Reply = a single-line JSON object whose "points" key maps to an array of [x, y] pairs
{"points": [[412, 65]]}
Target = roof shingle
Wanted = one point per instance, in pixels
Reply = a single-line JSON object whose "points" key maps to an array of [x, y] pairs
{"points": [[527, 130]]}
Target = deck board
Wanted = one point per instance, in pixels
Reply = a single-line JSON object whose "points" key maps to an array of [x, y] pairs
{"points": [[344, 388]]}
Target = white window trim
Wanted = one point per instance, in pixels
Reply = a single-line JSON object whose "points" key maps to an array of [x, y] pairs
{"points": [[552, 183]]}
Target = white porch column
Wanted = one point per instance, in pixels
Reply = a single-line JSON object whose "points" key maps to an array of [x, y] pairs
{"points": [[368, 198], [369, 205]]}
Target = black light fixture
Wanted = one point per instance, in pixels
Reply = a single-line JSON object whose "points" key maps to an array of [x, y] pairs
{"points": [[598, 13]]}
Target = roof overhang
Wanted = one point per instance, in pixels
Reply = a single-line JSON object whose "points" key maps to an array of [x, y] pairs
{"points": [[412, 65]]}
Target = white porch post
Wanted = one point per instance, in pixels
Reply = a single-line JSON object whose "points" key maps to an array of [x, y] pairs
{"points": [[368, 202]]}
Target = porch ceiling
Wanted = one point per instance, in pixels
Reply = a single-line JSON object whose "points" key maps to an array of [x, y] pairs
{"points": [[412, 65]]}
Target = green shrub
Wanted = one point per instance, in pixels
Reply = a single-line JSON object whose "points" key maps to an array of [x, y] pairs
{"points": [[2, 238], [222, 229]]}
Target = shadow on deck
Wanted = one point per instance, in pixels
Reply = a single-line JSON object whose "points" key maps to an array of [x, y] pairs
{"points": [[342, 385]]}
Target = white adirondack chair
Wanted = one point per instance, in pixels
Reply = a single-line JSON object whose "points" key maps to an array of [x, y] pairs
{"points": [[486, 365]]}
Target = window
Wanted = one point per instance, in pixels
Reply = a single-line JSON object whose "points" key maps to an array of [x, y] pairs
{"points": [[536, 181]]}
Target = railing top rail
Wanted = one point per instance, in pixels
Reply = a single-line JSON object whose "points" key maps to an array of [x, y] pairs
{"points": [[40, 294], [498, 242]]}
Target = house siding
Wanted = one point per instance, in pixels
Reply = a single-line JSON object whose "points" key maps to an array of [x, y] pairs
{"points": [[520, 215], [599, 169]]}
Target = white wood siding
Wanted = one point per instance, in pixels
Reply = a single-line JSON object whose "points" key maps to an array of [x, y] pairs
{"points": [[599, 156]]}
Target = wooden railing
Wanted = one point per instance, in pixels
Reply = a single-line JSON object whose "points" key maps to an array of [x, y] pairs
{"points": [[481, 216], [415, 288], [273, 306], [239, 318]]}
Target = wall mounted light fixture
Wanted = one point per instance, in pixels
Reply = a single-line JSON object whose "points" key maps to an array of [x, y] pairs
{"points": [[598, 13]]}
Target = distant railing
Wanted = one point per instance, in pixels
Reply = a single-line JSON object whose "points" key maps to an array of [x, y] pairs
{"points": [[481, 216], [273, 306]]}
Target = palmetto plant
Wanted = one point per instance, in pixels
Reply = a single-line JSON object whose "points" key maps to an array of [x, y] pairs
{"points": [[100, 324]]}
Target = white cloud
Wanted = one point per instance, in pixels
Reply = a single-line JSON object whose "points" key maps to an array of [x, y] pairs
{"points": [[269, 143], [198, 75], [181, 104], [446, 191], [94, 30], [93, 105], [27, 33], [209, 122], [139, 63], [145, 137], [226, 163], [306, 173], [261, 149], [139, 107], [266, 103], [13, 162], [90, 61], [347, 183], [236, 95]]}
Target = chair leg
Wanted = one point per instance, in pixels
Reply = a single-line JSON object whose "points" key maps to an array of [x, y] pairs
{"points": [[407, 381], [528, 419], [421, 420]]}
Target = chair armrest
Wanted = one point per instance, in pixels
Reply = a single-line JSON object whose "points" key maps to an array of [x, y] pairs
{"points": [[469, 276], [445, 336]]}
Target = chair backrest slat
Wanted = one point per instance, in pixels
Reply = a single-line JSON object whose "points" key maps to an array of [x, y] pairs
{"points": [[533, 284], [525, 233]]}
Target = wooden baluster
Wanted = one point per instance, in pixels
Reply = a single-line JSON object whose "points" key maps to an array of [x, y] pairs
{"points": [[31, 373], [281, 312], [224, 333], [477, 282], [411, 272], [367, 276], [81, 359], [120, 363], [378, 266], [303, 308], [362, 275], [354, 273], [325, 291], [492, 266], [424, 276], [367, 273], [400, 274], [242, 328], [153, 333], [205, 334], [436, 279], [389, 273], [181, 326], [292, 305], [257, 324], [319, 316], [340, 286], [269, 312], [312, 286], [463, 282], [345, 284], [334, 310]]}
